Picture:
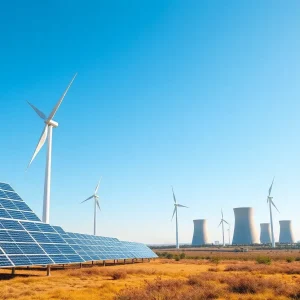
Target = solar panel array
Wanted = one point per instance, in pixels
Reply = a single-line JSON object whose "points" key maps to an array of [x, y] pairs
{"points": [[25, 240]]}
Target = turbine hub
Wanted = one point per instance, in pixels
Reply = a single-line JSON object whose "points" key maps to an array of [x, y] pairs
{"points": [[51, 123]]}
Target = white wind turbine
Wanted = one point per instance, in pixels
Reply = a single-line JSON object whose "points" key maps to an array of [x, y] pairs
{"points": [[270, 201], [47, 132], [176, 205], [96, 203], [222, 222]]}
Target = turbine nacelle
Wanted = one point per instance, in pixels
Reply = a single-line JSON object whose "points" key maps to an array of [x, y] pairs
{"points": [[51, 123]]}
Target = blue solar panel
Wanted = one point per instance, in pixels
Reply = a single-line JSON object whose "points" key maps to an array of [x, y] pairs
{"points": [[22, 206], [45, 227], [20, 236], [6, 187], [40, 237], [31, 216], [40, 260], [30, 248], [50, 248], [11, 224], [4, 214], [4, 262], [11, 248], [4, 236], [17, 215], [20, 260], [31, 242], [13, 196], [59, 259], [8, 204], [30, 226]]}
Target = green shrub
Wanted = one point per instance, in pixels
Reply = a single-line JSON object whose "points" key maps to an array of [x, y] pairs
{"points": [[265, 260], [182, 255], [169, 256], [120, 274], [216, 260], [290, 259], [177, 258]]}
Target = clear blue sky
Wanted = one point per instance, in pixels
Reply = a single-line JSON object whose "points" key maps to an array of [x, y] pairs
{"points": [[201, 95]]}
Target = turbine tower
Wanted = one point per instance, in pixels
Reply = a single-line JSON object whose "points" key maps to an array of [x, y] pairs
{"points": [[270, 201], [228, 234], [222, 222], [176, 205], [96, 203], [47, 132]]}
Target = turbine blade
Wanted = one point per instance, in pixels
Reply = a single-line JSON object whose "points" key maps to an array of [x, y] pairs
{"points": [[222, 213], [88, 199], [271, 187], [53, 112], [174, 198], [226, 222], [97, 202], [40, 113], [173, 213], [220, 223], [97, 187], [179, 205], [40, 144], [274, 206]]}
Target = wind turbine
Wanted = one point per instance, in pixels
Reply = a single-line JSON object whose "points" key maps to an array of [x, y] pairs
{"points": [[47, 132], [270, 201], [228, 234], [222, 222], [96, 203], [176, 205]]}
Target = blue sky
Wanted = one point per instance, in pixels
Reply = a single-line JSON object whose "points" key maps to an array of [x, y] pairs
{"points": [[201, 95]]}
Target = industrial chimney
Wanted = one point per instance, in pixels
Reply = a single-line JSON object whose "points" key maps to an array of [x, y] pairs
{"points": [[265, 233], [200, 236], [244, 229], [286, 235]]}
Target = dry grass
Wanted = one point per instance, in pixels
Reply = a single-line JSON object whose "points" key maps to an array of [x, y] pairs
{"points": [[162, 279]]}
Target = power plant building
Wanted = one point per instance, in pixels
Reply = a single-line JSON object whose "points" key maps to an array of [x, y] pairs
{"points": [[265, 233], [200, 236], [244, 227], [286, 235]]}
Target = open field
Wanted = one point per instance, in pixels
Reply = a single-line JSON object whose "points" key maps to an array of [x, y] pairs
{"points": [[267, 275]]}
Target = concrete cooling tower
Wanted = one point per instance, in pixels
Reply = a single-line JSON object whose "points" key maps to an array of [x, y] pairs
{"points": [[200, 236], [265, 233], [244, 228], [286, 235]]}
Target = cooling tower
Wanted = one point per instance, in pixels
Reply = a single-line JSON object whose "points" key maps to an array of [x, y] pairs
{"points": [[286, 235], [265, 233], [200, 236], [244, 229]]}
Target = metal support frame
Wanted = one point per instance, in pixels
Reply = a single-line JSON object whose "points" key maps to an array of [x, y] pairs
{"points": [[48, 270]]}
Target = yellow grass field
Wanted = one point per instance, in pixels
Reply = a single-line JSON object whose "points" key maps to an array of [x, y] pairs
{"points": [[161, 279]]}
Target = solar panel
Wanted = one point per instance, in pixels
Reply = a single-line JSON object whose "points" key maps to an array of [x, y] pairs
{"points": [[22, 234], [25, 240]]}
